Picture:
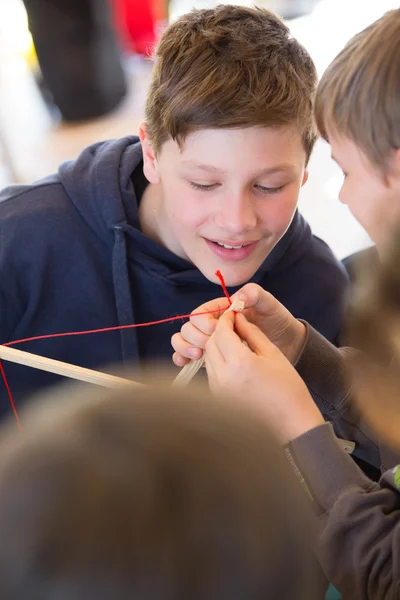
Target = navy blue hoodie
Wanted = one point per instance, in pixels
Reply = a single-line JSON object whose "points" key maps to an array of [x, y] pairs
{"points": [[73, 257]]}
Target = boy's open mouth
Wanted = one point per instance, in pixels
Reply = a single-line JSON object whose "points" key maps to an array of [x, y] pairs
{"points": [[231, 250]]}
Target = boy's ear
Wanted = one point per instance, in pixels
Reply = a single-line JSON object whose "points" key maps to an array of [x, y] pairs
{"points": [[392, 179], [305, 178], [150, 162], [396, 162]]}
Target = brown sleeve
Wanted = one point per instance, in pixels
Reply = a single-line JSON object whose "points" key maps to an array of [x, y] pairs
{"points": [[322, 367], [359, 520]]}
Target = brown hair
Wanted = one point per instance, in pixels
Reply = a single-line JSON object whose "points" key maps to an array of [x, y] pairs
{"points": [[147, 494], [230, 67], [359, 93]]}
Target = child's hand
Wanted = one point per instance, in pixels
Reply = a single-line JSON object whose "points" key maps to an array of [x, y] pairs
{"points": [[259, 375], [261, 309]]}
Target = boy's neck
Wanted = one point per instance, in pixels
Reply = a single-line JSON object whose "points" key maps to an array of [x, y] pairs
{"points": [[149, 211]]}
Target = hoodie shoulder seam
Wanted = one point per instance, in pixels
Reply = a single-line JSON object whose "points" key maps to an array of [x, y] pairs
{"points": [[32, 187]]}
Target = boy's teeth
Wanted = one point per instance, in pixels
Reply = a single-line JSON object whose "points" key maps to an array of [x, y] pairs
{"points": [[230, 247]]}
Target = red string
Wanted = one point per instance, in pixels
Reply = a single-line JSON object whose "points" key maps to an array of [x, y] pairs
{"points": [[222, 280], [103, 330], [10, 396]]}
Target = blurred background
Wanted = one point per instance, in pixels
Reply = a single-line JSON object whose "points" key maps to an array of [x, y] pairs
{"points": [[73, 72]]}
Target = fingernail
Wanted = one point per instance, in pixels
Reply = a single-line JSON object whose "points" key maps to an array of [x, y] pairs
{"points": [[240, 296], [194, 352]]}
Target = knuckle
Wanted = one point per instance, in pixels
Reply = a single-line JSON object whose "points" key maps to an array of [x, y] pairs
{"points": [[175, 340], [186, 331], [200, 322], [176, 358]]}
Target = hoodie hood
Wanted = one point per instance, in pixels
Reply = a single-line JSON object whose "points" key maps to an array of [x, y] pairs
{"points": [[99, 184]]}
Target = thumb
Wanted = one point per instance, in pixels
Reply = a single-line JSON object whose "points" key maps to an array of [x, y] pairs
{"points": [[254, 296], [254, 337], [227, 320]]}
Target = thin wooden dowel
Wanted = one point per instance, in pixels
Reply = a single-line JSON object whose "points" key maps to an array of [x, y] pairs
{"points": [[61, 368]]}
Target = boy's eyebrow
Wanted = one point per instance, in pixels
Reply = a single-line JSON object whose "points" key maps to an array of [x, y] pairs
{"points": [[277, 169], [190, 163], [212, 169]]}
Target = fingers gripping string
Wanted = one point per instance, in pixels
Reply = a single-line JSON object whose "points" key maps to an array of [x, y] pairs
{"points": [[187, 373]]}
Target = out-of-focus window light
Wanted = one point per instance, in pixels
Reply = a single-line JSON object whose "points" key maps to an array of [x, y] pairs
{"points": [[15, 37]]}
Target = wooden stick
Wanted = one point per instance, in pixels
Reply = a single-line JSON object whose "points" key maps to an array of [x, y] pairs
{"points": [[62, 368], [187, 372]]}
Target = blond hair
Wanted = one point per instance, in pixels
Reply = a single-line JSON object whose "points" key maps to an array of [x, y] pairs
{"points": [[150, 493], [359, 93], [230, 67]]}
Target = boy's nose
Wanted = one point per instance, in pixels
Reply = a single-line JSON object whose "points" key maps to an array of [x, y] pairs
{"points": [[237, 215]]}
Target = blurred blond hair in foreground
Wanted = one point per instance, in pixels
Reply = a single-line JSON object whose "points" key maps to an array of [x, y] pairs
{"points": [[149, 493]]}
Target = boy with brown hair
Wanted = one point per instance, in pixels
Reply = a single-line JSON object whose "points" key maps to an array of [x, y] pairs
{"points": [[148, 494], [134, 230], [357, 109]]}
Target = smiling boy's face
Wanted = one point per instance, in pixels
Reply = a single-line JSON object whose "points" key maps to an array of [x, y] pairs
{"points": [[225, 198]]}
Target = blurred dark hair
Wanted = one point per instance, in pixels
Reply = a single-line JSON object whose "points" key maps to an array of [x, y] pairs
{"points": [[147, 494]]}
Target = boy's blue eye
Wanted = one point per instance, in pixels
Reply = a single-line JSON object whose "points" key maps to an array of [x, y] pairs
{"points": [[203, 187], [269, 190]]}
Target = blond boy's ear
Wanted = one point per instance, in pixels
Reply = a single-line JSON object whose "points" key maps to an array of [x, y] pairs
{"points": [[150, 162], [305, 178], [396, 161], [392, 177]]}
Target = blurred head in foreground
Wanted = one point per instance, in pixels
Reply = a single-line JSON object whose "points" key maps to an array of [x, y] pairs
{"points": [[147, 494], [374, 328]]}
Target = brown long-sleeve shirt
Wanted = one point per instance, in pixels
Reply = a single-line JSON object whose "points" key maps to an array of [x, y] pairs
{"points": [[359, 520]]}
